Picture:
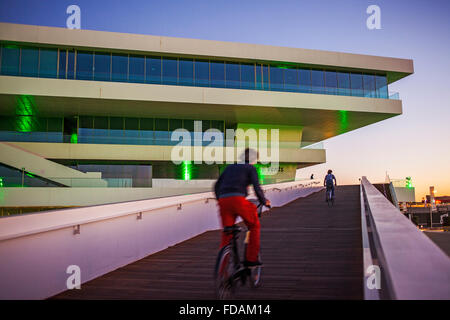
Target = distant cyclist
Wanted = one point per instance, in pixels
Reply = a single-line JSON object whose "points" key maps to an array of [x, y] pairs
{"points": [[231, 192], [328, 182]]}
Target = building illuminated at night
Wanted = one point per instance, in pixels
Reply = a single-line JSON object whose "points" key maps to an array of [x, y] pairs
{"points": [[86, 116]]}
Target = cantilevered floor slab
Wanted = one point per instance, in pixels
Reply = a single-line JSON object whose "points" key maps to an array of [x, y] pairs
{"points": [[321, 116]]}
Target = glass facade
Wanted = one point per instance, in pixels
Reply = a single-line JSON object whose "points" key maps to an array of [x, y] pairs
{"points": [[169, 70], [120, 175], [136, 71], [28, 128], [29, 62], [102, 66], [186, 72], [48, 61], [317, 81], [356, 81], [98, 130], [107, 66], [85, 65], [12, 177]]}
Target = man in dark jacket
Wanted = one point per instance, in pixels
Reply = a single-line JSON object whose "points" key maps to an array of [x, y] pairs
{"points": [[231, 192]]}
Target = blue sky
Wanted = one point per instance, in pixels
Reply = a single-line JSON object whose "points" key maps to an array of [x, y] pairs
{"points": [[414, 144]]}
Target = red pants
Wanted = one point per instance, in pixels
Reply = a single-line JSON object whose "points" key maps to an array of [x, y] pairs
{"points": [[230, 209]]}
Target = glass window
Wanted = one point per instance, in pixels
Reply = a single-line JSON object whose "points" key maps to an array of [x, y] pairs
{"points": [[175, 124], [331, 82], [291, 80], [317, 81], [217, 74], [131, 130], [356, 82], [265, 77], [369, 85], [276, 79], [169, 70], [120, 67], [41, 124], [12, 177], [186, 70], [70, 64], [6, 123], [10, 60], [54, 125], [116, 123], [201, 73], [115, 131], [101, 123], [100, 131], [102, 66], [146, 131], [218, 124], [247, 76], [29, 62], [188, 125], [343, 83], [137, 69], [55, 130], [84, 65], [153, 69], [258, 69], [232, 75], [86, 122], [85, 129], [146, 124], [62, 64], [48, 61], [304, 76], [206, 124], [162, 124], [381, 87], [161, 131]]}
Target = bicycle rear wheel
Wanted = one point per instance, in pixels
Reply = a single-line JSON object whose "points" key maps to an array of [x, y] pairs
{"points": [[223, 274], [254, 273], [329, 197], [255, 276]]}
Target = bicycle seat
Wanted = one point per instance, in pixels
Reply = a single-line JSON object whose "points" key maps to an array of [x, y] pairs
{"points": [[232, 230]]}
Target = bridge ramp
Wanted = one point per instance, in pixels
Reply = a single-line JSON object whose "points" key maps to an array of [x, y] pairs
{"points": [[310, 251]]}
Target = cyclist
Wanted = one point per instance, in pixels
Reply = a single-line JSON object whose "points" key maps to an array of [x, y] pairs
{"points": [[328, 182], [231, 193]]}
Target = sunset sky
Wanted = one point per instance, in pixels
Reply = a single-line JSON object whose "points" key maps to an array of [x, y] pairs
{"points": [[414, 144]]}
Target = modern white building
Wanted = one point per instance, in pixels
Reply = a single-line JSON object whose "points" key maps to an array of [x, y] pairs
{"points": [[86, 116]]}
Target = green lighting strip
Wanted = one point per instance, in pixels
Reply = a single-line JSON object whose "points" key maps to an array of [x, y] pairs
{"points": [[343, 121], [186, 170], [74, 138]]}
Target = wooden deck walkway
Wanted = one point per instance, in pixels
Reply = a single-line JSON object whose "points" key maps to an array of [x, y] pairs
{"points": [[309, 251]]}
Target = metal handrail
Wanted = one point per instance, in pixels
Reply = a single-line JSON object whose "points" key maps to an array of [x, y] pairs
{"points": [[412, 266], [369, 294]]}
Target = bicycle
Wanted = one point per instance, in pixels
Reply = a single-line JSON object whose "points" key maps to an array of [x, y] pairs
{"points": [[230, 270], [329, 196]]}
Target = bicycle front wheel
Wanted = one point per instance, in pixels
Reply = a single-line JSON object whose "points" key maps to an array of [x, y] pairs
{"points": [[224, 271]]}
